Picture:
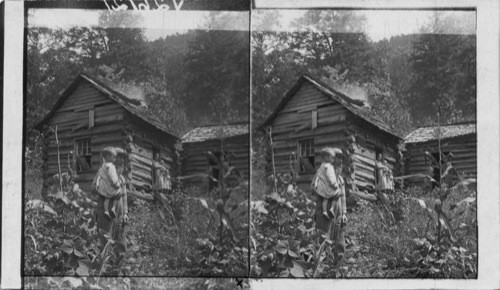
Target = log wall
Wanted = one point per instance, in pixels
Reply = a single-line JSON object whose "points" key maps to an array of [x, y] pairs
{"points": [[294, 123], [464, 151], [72, 121], [370, 140], [336, 127], [144, 138], [112, 126], [195, 161]]}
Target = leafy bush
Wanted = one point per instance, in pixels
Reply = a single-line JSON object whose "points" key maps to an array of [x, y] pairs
{"points": [[187, 232], [283, 235], [33, 173], [62, 232], [284, 244], [406, 249], [223, 249]]}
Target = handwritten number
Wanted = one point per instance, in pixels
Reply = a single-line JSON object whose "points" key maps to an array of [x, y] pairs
{"points": [[144, 6]]}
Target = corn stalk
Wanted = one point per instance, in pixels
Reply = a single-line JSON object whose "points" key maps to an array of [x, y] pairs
{"points": [[272, 158]]}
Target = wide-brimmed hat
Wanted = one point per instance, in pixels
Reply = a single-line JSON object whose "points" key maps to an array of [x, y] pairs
{"points": [[109, 150], [119, 151], [332, 151]]}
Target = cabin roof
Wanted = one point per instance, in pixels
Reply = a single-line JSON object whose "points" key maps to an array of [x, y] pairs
{"points": [[354, 106], [133, 106], [212, 132], [425, 134]]}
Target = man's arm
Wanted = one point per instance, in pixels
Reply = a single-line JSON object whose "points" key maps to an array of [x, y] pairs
{"points": [[332, 177], [113, 175]]}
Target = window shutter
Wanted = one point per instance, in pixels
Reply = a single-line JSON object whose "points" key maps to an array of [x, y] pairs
{"points": [[91, 118], [314, 119]]}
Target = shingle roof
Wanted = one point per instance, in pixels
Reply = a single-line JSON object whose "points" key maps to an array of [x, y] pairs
{"points": [[204, 133], [131, 105], [425, 134], [354, 106]]}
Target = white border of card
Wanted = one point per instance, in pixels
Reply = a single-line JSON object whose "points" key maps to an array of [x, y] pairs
{"points": [[488, 148]]}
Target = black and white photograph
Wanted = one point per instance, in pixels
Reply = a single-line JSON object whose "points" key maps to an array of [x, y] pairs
{"points": [[250, 144], [136, 145], [364, 133]]}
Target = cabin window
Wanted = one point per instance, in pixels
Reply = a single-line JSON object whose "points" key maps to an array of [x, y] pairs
{"points": [[306, 155], [83, 154]]}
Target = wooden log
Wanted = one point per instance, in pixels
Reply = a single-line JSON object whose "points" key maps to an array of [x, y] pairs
{"points": [[307, 109], [305, 106], [83, 101], [331, 130]]}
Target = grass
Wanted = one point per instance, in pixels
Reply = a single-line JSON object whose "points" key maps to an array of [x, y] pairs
{"points": [[156, 247], [375, 249], [131, 283]]}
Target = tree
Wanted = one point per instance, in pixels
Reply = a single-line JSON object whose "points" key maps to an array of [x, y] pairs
{"points": [[336, 39], [125, 44], [274, 70], [444, 66], [380, 103], [168, 108], [166, 62], [322, 41], [217, 62], [50, 68], [56, 56]]}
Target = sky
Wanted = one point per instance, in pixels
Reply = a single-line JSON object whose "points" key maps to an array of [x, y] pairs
{"points": [[380, 24], [383, 24], [157, 23]]}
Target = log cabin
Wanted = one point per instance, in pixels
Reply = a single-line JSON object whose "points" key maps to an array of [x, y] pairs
{"points": [[459, 139], [313, 115], [232, 139], [90, 115]]}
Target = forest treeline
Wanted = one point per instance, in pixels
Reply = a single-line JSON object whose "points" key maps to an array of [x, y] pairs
{"points": [[406, 80], [202, 76], [192, 78]]}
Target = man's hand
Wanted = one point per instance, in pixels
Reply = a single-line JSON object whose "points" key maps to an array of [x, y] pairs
{"points": [[125, 218]]}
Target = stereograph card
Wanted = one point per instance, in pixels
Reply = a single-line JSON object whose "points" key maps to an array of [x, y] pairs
{"points": [[181, 144]]}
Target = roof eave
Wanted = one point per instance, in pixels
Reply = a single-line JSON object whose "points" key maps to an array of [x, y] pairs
{"points": [[443, 139], [103, 88], [211, 139], [153, 125], [329, 92]]}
